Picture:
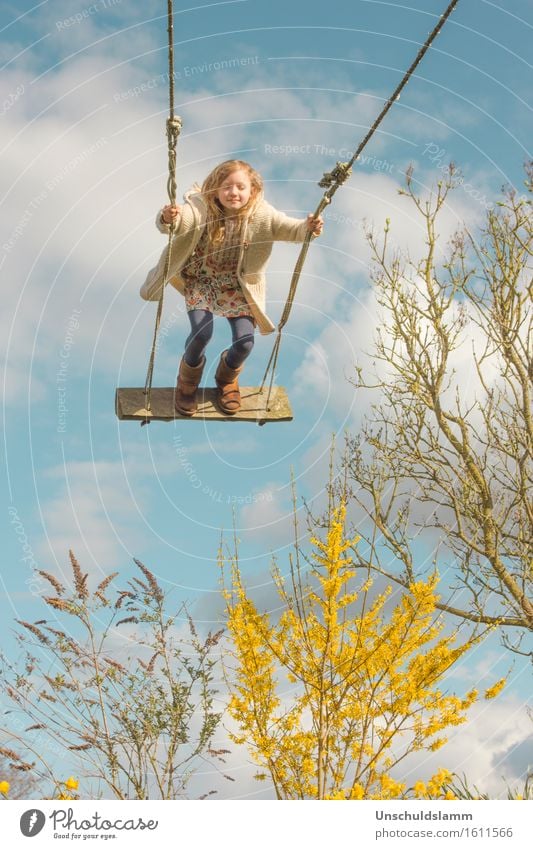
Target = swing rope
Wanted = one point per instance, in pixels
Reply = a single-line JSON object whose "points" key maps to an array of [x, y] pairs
{"points": [[333, 180], [173, 127]]}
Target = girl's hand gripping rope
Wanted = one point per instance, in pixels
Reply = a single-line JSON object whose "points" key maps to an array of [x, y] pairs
{"points": [[315, 225], [170, 214]]}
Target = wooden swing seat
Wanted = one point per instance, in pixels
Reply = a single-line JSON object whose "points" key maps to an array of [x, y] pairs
{"points": [[130, 406]]}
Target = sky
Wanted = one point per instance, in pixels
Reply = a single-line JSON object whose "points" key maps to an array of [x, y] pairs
{"points": [[291, 88]]}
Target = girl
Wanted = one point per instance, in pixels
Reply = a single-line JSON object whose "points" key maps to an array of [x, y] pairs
{"points": [[223, 236]]}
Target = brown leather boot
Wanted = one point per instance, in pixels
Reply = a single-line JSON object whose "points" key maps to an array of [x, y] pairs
{"points": [[189, 377], [229, 397]]}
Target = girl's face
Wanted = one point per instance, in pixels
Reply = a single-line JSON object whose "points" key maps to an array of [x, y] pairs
{"points": [[235, 191]]}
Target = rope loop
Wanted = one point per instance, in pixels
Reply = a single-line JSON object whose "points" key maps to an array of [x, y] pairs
{"points": [[173, 130], [338, 175]]}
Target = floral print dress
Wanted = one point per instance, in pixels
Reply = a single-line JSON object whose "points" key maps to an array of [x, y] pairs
{"points": [[210, 276]]}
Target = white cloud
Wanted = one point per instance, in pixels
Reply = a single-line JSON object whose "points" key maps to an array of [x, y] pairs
{"points": [[268, 516], [94, 512], [352, 317], [481, 749], [328, 366]]}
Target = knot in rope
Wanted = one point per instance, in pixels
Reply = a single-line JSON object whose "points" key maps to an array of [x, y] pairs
{"points": [[173, 129], [337, 175]]}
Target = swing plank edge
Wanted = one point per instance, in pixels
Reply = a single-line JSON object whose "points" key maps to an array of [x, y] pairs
{"points": [[130, 405]]}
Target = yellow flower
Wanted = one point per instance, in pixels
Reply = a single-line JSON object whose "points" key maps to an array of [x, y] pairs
{"points": [[443, 776], [420, 790], [338, 796], [390, 787], [4, 787], [358, 792], [496, 688], [72, 783]]}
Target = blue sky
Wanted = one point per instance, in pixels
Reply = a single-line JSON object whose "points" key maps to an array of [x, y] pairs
{"points": [[291, 88]]}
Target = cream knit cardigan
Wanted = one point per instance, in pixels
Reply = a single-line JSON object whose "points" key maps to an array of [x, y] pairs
{"points": [[264, 225]]}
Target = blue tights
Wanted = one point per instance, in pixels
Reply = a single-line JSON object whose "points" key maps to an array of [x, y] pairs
{"points": [[242, 332]]}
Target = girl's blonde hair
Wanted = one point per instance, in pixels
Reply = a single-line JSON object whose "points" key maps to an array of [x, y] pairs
{"points": [[215, 210]]}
